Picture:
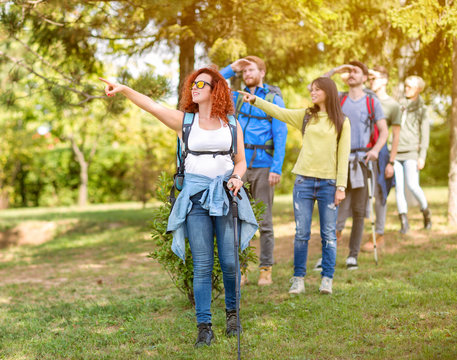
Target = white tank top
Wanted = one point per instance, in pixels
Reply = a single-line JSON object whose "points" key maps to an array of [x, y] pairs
{"points": [[209, 140]]}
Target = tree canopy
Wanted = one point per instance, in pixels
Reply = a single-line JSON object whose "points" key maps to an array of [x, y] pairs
{"points": [[52, 52]]}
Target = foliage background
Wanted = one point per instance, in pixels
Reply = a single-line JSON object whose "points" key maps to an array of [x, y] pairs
{"points": [[95, 149]]}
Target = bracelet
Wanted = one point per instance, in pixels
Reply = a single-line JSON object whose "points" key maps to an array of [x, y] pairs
{"points": [[341, 188], [391, 163], [235, 176]]}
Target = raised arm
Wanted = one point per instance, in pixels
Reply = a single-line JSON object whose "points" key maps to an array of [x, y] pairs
{"points": [[345, 68], [339, 70], [293, 117], [170, 117], [233, 68]]}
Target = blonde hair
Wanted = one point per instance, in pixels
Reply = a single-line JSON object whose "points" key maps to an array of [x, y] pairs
{"points": [[415, 81]]}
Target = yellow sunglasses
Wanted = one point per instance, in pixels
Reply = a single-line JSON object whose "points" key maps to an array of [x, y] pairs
{"points": [[200, 84]]}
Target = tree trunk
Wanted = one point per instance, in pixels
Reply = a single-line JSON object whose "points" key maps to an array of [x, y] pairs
{"points": [[83, 173], [452, 203], [84, 180], [186, 46], [4, 199]]}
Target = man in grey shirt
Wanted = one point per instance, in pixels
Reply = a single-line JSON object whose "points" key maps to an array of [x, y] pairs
{"points": [[356, 107]]}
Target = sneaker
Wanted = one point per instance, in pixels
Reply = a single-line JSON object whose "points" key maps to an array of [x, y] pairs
{"points": [[351, 263], [318, 266], [205, 335], [230, 320], [298, 285], [326, 285], [265, 276]]}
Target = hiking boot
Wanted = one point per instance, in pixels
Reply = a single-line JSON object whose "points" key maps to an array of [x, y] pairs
{"points": [[326, 285], [404, 223], [427, 219], [351, 263], [369, 246], [265, 276], [339, 235], [230, 320], [298, 285], [205, 335], [318, 266]]}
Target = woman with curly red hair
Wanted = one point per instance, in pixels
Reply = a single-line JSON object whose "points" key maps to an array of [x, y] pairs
{"points": [[202, 207]]}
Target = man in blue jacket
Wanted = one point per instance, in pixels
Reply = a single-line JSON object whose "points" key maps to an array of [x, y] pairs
{"points": [[265, 145]]}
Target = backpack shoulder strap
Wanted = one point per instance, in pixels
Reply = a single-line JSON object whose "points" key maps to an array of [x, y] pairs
{"points": [[370, 108], [186, 127], [232, 124], [343, 97], [182, 148], [238, 104], [270, 96], [305, 121]]}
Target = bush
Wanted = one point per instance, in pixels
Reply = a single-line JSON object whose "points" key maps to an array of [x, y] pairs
{"points": [[435, 172], [181, 273]]}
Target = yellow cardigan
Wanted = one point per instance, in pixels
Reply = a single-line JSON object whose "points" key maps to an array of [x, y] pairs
{"points": [[321, 155]]}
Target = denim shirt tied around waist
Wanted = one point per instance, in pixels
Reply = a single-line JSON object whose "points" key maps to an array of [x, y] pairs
{"points": [[215, 200]]}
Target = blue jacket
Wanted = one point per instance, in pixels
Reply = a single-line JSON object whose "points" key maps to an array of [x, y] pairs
{"points": [[259, 131], [215, 200], [385, 184]]}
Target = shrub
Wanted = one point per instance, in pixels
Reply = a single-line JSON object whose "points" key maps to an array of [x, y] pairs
{"points": [[181, 273]]}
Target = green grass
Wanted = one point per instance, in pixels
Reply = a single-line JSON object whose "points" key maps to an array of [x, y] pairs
{"points": [[89, 292]]}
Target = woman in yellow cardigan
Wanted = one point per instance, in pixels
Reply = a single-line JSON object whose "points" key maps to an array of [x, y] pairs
{"points": [[321, 169]]}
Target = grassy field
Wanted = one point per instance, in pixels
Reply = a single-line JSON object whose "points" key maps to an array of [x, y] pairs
{"points": [[76, 284]]}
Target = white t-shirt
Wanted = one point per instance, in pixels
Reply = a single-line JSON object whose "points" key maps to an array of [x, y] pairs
{"points": [[209, 140]]}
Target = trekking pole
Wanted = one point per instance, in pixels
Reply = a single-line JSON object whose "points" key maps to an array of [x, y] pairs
{"points": [[234, 207], [370, 196]]}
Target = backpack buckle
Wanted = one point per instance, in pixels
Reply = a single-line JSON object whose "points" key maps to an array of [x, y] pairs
{"points": [[179, 181]]}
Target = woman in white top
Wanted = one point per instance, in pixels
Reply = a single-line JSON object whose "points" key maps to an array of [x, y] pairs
{"points": [[202, 206]]}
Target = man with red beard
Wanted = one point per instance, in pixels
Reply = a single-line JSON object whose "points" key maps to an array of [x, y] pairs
{"points": [[265, 144]]}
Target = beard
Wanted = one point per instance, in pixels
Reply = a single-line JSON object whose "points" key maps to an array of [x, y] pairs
{"points": [[353, 82], [252, 81]]}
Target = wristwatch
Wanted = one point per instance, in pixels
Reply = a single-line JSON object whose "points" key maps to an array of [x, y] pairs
{"points": [[341, 188], [391, 163], [235, 176]]}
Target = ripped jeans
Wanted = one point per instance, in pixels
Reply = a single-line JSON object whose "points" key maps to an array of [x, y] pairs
{"points": [[306, 191]]}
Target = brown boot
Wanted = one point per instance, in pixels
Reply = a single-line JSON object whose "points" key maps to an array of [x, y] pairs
{"points": [[369, 246], [339, 235], [244, 279], [265, 276]]}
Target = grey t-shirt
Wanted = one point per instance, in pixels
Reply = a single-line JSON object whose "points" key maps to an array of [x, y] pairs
{"points": [[392, 111], [357, 113]]}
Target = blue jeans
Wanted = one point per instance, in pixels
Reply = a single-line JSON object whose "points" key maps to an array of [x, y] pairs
{"points": [[406, 171], [306, 191], [201, 229]]}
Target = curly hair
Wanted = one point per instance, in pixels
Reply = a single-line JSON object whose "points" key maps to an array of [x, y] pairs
{"points": [[221, 96]]}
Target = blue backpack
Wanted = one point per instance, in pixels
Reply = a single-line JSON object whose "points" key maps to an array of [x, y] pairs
{"points": [[182, 150]]}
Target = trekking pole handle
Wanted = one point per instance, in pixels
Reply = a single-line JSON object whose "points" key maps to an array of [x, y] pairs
{"points": [[229, 186]]}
